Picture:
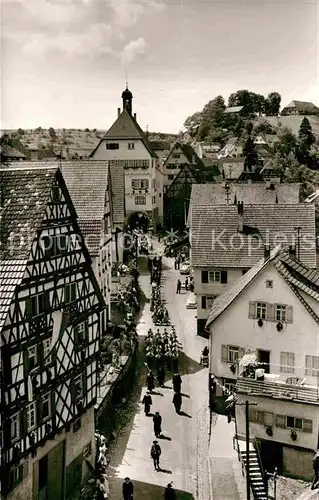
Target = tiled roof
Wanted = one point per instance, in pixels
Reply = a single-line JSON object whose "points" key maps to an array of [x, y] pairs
{"points": [[126, 127], [299, 277], [215, 241], [224, 300], [233, 109], [233, 167], [86, 181], [24, 196], [11, 275], [256, 193], [92, 231], [160, 145], [118, 193]]}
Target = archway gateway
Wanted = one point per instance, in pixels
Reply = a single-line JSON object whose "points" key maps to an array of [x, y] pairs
{"points": [[138, 220]]}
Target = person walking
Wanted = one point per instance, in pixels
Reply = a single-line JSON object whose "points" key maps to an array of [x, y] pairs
{"points": [[155, 454], [186, 283], [177, 402], [147, 402], [169, 492], [127, 489], [150, 382], [157, 423], [178, 260], [177, 382], [161, 374], [178, 286], [102, 489]]}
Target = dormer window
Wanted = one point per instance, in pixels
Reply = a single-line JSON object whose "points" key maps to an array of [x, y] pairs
{"points": [[131, 145]]}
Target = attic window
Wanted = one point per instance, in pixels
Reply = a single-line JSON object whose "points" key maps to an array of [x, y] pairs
{"points": [[269, 283], [112, 145], [131, 145]]}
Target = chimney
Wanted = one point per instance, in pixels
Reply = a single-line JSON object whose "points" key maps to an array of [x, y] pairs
{"points": [[134, 116], [118, 112], [240, 209], [292, 251], [266, 252]]}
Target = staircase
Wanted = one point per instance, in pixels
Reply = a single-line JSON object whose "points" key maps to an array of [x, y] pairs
{"points": [[258, 482]]}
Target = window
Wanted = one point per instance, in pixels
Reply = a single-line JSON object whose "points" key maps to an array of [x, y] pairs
{"points": [[15, 426], [81, 333], [46, 350], [261, 310], [37, 304], [70, 293], [17, 474], [55, 194], [297, 423], [140, 183], [112, 145], [31, 416], [312, 366], [176, 155], [269, 283], [171, 166], [130, 163], [214, 276], [131, 145], [32, 357], [153, 200], [261, 417], [287, 362], [280, 312], [170, 177], [140, 200], [78, 387], [294, 423], [54, 245], [46, 406], [231, 353], [207, 302], [229, 385]]}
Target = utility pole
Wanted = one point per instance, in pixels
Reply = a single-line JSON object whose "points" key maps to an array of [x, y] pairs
{"points": [[298, 229]]}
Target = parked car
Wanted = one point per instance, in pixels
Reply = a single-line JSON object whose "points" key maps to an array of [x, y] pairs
{"points": [[191, 302], [185, 267]]}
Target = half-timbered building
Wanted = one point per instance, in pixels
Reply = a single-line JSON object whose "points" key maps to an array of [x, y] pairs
{"points": [[50, 306]]}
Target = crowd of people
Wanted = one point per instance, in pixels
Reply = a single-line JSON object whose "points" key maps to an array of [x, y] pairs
{"points": [[162, 350]]}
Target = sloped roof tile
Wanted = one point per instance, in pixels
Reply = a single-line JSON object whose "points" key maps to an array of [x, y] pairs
{"points": [[11, 275]]}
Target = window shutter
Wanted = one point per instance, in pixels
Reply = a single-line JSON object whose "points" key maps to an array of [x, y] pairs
{"points": [[223, 277], [252, 310], [25, 470], [28, 308], [307, 425], [281, 421], [288, 314], [252, 414], [203, 302], [270, 311], [204, 276], [224, 353], [40, 354], [39, 411]]}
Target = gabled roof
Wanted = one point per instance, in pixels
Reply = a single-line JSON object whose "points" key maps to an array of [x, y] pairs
{"points": [[24, 197], [302, 105], [233, 109], [216, 242], [160, 145], [298, 277], [126, 127], [229, 146], [188, 151], [192, 172], [10, 152], [223, 301]]}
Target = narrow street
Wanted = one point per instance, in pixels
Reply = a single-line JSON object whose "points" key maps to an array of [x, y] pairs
{"points": [[184, 459]]}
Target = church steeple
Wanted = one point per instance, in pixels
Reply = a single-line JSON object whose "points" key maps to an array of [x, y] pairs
{"points": [[127, 98]]}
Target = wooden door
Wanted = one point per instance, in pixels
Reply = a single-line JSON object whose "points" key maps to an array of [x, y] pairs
{"points": [[55, 483]]}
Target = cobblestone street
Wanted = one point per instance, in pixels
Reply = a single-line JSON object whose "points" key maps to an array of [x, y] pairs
{"points": [[184, 457]]}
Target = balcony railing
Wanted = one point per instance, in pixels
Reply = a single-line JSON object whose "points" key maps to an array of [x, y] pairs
{"points": [[278, 389]]}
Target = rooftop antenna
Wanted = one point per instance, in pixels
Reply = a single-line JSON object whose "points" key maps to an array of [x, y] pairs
{"points": [[126, 79]]}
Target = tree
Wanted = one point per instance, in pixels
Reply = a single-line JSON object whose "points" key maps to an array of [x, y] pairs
{"points": [[272, 104], [192, 123], [287, 143], [52, 133], [20, 131], [251, 155], [306, 136]]}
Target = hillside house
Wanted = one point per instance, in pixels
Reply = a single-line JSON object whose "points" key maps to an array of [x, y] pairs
{"points": [[232, 168], [8, 153], [227, 240], [300, 108], [179, 155], [275, 308], [233, 148], [50, 307], [234, 110], [127, 146]]}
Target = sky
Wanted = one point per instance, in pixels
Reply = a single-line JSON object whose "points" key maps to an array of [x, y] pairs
{"points": [[64, 63]]}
